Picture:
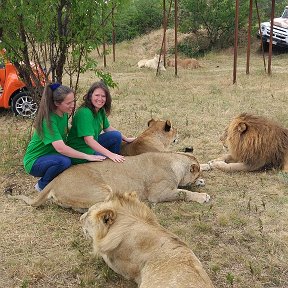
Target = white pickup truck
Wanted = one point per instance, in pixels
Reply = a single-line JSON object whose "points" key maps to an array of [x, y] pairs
{"points": [[280, 31]]}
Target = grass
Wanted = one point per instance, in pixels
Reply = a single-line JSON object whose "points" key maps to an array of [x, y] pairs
{"points": [[241, 236]]}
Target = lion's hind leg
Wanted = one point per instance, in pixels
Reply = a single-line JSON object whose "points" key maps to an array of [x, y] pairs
{"points": [[82, 199], [177, 194]]}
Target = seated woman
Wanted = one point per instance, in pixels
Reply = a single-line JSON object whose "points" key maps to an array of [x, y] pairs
{"points": [[47, 155], [91, 131]]}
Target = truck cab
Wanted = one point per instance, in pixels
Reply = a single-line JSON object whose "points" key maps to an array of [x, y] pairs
{"points": [[280, 31]]}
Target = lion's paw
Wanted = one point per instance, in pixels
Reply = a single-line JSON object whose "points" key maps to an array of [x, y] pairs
{"points": [[203, 197], [216, 163], [200, 182], [205, 167]]}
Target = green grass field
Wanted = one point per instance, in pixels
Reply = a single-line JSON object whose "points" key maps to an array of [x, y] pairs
{"points": [[241, 236]]}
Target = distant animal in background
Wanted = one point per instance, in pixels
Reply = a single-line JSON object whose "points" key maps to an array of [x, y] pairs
{"points": [[152, 63], [128, 236], [142, 63], [187, 63]]}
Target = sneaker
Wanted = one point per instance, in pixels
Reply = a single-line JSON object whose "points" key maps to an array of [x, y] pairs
{"points": [[37, 187]]}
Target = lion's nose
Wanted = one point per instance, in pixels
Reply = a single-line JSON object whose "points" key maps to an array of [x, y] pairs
{"points": [[200, 182]]}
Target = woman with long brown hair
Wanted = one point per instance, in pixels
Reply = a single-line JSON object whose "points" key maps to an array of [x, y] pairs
{"points": [[47, 155], [91, 131]]}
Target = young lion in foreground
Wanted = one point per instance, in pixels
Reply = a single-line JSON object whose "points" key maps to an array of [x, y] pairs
{"points": [[127, 235], [253, 143], [155, 176], [157, 137]]}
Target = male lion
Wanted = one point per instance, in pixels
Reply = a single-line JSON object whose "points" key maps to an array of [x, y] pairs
{"points": [[155, 176], [127, 235], [253, 143], [157, 137]]}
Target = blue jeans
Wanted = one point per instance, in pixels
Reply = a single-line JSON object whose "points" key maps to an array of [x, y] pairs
{"points": [[111, 140], [48, 167]]}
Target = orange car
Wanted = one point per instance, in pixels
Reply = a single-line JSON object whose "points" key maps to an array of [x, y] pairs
{"points": [[13, 92]]}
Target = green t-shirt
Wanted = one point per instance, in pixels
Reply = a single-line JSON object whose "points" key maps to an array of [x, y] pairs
{"points": [[86, 123], [39, 146]]}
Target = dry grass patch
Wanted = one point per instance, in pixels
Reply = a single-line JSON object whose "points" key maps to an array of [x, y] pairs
{"points": [[241, 236]]}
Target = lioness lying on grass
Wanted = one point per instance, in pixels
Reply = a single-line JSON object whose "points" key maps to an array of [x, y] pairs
{"points": [[157, 137], [127, 235], [155, 176]]}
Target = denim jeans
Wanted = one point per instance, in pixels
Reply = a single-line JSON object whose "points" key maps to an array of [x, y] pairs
{"points": [[48, 167], [111, 140]]}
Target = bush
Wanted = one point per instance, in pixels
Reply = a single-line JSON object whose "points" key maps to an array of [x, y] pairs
{"points": [[194, 45], [139, 17]]}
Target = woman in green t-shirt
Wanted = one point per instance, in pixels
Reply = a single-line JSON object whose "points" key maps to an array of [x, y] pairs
{"points": [[47, 155], [91, 131]]}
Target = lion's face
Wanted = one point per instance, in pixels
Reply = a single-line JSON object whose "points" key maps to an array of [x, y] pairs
{"points": [[105, 220], [164, 129], [88, 222], [192, 173], [97, 220]]}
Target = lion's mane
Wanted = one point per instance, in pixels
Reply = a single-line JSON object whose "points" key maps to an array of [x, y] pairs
{"points": [[257, 141]]}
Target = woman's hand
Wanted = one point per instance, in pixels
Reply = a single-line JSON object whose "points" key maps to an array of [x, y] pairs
{"points": [[129, 139], [95, 158], [117, 158]]}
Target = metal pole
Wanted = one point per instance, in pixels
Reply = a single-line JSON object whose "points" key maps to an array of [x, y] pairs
{"points": [[261, 37], [249, 36], [271, 37], [164, 34], [103, 39], [113, 33], [235, 40], [164, 37], [175, 30]]}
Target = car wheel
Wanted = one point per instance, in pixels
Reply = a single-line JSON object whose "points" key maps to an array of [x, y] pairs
{"points": [[24, 105], [265, 46]]}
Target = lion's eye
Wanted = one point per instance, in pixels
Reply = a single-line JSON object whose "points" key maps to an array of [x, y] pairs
{"points": [[106, 219]]}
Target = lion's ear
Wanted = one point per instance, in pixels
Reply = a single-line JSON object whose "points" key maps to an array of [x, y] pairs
{"points": [[132, 195], [106, 216], [242, 127], [150, 122], [167, 126], [194, 168]]}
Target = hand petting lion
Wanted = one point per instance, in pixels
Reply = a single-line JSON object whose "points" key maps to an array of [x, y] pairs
{"points": [[253, 143], [155, 177], [157, 137], [127, 235]]}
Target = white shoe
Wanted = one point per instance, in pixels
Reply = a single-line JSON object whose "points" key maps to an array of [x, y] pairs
{"points": [[37, 187]]}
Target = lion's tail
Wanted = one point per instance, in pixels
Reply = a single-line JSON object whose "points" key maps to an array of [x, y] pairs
{"points": [[42, 197]]}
